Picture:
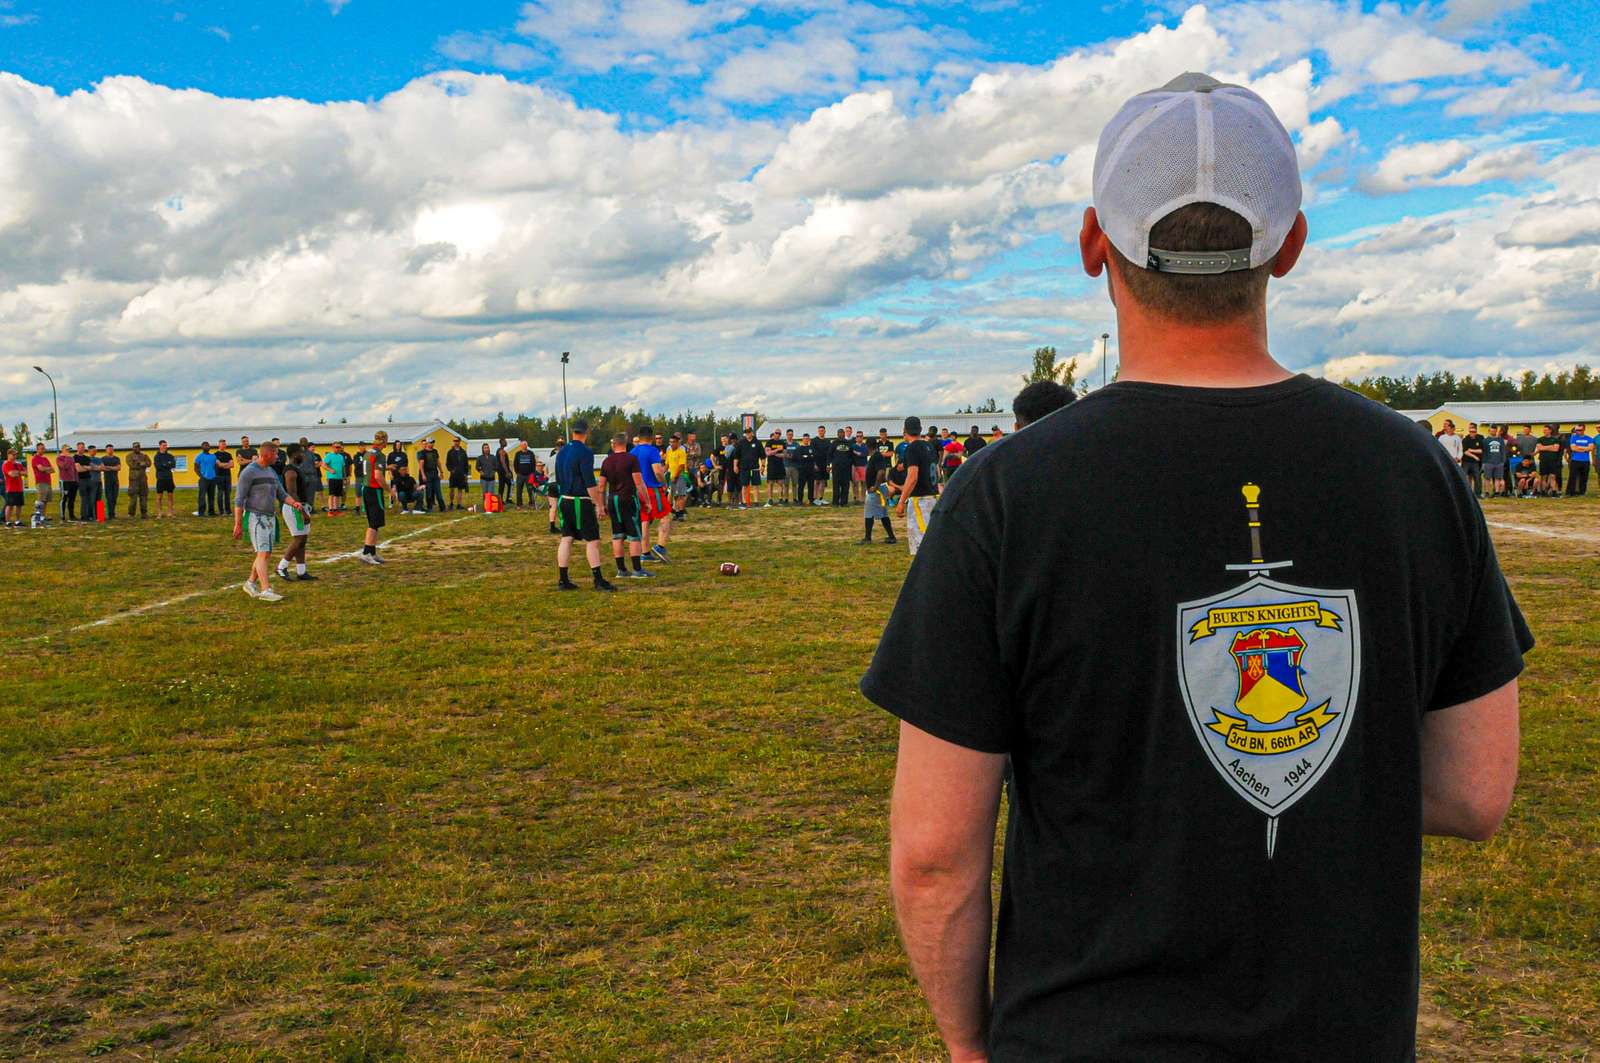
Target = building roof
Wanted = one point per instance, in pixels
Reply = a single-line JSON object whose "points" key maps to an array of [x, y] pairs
{"points": [[1540, 411], [318, 434], [894, 422]]}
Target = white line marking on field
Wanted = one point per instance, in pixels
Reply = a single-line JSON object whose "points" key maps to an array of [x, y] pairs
{"points": [[1547, 533], [128, 614]]}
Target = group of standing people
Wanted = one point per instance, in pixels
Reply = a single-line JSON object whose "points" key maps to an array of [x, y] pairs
{"points": [[90, 481], [1502, 465]]}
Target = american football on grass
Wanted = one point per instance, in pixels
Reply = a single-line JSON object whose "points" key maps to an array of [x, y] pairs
{"points": [[728, 568]]}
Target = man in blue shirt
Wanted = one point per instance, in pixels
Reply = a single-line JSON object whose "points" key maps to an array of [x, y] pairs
{"points": [[205, 467], [655, 505], [577, 508], [1580, 459]]}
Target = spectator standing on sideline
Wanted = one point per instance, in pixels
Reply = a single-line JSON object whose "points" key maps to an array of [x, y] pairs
{"points": [[1472, 459], [1527, 454], [205, 471], [974, 442], [578, 509], [677, 460], [339, 471], [431, 474], [68, 471], [224, 477], [89, 469], [821, 463], [1136, 803], [1038, 400], [244, 453], [522, 464], [110, 479], [1548, 451], [1580, 459], [860, 452], [1495, 446], [747, 455], [777, 474], [138, 463], [791, 469], [43, 472], [166, 464], [459, 467], [1451, 442], [255, 509], [502, 471], [802, 455], [487, 467], [841, 460], [15, 474]]}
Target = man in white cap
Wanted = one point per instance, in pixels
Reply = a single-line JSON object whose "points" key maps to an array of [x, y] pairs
{"points": [[1232, 701]]}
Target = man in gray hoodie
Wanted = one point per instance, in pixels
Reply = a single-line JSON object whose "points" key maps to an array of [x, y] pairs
{"points": [[255, 501]]}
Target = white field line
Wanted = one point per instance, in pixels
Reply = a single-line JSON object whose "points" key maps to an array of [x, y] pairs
{"points": [[1545, 532], [128, 614]]}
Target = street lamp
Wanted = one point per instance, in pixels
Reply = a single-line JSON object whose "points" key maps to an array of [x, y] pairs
{"points": [[566, 356], [1105, 355], [55, 407]]}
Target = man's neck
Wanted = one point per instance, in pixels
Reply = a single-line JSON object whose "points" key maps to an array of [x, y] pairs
{"points": [[1228, 355]]}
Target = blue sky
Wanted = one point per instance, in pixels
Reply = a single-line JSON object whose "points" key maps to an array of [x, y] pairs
{"points": [[773, 203]]}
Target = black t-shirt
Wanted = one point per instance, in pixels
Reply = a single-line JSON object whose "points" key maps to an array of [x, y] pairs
{"points": [[842, 456], [878, 463], [523, 461], [919, 456], [1470, 443], [245, 455], [455, 459], [165, 461], [397, 459], [1550, 459], [748, 453], [1158, 706], [222, 456], [973, 444], [428, 461]]}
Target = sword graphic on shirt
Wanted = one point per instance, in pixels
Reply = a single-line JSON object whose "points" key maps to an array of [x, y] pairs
{"points": [[1247, 693]]}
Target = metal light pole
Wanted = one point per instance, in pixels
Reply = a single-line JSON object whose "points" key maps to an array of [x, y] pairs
{"points": [[566, 356], [55, 408], [1105, 355]]}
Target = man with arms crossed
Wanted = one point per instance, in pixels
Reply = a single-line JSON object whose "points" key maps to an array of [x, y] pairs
{"points": [[747, 455], [15, 472], [624, 486], [1580, 459], [457, 463], [255, 504], [68, 470], [138, 465], [577, 507], [1198, 866], [166, 464], [1548, 452]]}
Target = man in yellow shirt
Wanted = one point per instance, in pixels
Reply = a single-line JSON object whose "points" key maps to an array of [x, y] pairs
{"points": [[677, 459]]}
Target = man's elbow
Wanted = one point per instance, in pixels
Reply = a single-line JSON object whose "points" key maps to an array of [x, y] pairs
{"points": [[1475, 817]]}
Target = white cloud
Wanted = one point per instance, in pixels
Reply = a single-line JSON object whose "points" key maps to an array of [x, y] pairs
{"points": [[433, 250], [1449, 163], [488, 50]]}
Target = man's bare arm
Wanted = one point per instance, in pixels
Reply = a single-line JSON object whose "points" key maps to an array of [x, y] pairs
{"points": [[946, 799], [1469, 765]]}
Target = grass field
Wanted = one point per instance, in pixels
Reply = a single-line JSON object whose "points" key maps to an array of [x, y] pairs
{"points": [[437, 811]]}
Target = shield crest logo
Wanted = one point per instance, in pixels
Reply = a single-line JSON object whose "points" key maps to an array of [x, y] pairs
{"points": [[1270, 673]]}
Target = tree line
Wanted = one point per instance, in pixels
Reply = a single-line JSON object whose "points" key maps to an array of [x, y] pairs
{"points": [[604, 422], [1428, 390]]}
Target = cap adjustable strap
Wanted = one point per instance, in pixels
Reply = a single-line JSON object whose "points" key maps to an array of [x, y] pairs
{"points": [[1198, 262]]}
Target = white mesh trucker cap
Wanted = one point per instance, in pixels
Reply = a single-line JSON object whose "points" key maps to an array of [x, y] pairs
{"points": [[1195, 140]]}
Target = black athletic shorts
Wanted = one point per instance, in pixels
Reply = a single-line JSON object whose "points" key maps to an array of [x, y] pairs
{"points": [[750, 477], [165, 486], [458, 481], [576, 519], [372, 503], [13, 498], [1549, 464], [336, 488], [624, 514]]}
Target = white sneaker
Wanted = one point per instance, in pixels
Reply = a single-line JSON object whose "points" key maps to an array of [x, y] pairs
{"points": [[251, 589], [269, 595], [371, 559]]}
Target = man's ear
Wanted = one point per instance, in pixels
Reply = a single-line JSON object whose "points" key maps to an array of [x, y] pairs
{"points": [[1092, 243], [1293, 244]]}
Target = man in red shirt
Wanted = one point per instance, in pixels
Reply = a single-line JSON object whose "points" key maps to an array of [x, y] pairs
{"points": [[42, 469], [13, 472]]}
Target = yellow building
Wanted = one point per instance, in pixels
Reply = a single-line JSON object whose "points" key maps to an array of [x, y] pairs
{"points": [[1565, 414], [185, 443]]}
